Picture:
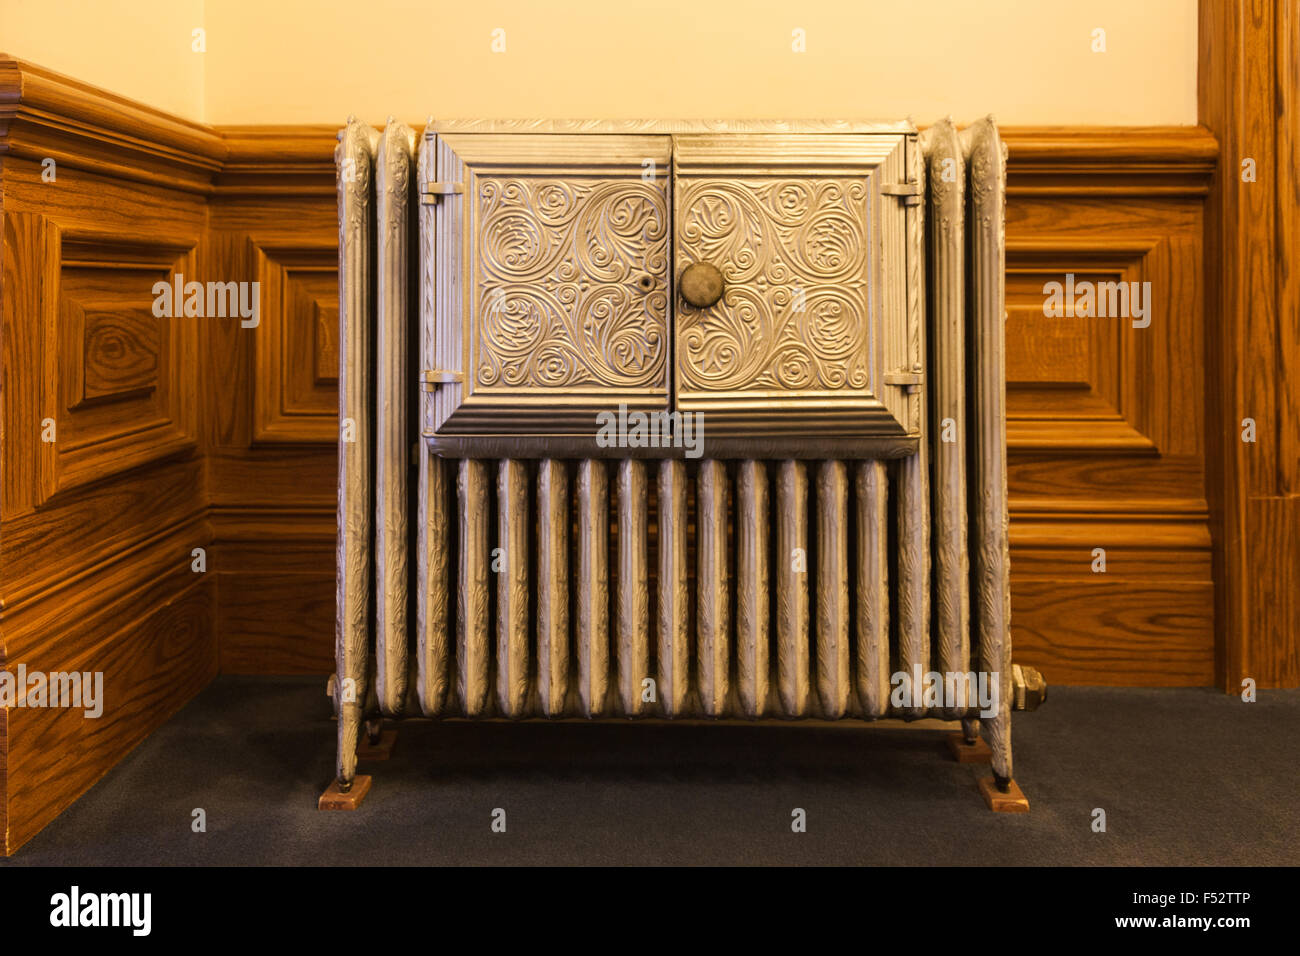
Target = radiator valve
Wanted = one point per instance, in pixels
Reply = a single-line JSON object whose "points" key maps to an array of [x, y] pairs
{"points": [[1028, 687]]}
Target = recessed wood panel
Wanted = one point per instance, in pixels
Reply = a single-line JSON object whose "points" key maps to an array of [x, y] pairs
{"points": [[120, 357], [326, 345], [1105, 443], [295, 383], [118, 391]]}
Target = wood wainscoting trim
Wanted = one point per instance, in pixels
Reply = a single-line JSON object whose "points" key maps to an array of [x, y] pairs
{"points": [[44, 114], [1249, 96], [1110, 160]]}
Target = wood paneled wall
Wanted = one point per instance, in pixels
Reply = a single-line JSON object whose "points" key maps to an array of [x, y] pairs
{"points": [[103, 496], [1106, 422], [272, 470]]}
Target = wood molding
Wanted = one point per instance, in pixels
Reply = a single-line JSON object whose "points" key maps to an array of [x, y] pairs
{"points": [[1249, 96], [277, 160], [46, 114], [1109, 160]]}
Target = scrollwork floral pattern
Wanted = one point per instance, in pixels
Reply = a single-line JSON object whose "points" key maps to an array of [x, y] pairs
{"points": [[793, 255], [571, 282]]}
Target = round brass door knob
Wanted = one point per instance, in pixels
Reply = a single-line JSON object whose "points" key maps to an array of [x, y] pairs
{"points": [[701, 284]]}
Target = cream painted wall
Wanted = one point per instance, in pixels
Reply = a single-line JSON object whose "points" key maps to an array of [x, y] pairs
{"points": [[316, 61], [1027, 61], [137, 48]]}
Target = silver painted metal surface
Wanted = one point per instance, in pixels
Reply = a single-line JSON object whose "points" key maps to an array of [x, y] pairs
{"points": [[986, 204], [354, 159], [534, 636], [591, 626], [712, 638], [674, 648], [833, 684], [513, 582], [633, 662], [433, 642], [393, 390], [792, 651], [553, 558], [752, 587], [948, 424]]}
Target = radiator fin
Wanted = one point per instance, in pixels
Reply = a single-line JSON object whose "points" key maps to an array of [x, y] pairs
{"points": [[510, 567], [591, 601], [434, 546], [872, 490], [472, 641], [552, 586], [673, 612], [712, 641], [752, 659], [947, 398], [633, 588], [792, 588], [832, 589]]}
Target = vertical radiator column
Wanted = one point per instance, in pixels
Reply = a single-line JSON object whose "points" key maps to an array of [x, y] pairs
{"points": [[986, 162], [393, 193], [913, 472], [947, 398], [432, 529], [354, 159]]}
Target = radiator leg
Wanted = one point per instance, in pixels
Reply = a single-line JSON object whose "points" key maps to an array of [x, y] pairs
{"points": [[1003, 795], [378, 742], [345, 795], [966, 746]]}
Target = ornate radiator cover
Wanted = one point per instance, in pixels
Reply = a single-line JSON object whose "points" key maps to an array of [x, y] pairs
{"points": [[779, 279]]}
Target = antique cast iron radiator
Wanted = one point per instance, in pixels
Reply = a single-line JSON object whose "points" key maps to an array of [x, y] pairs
{"points": [[806, 319]]}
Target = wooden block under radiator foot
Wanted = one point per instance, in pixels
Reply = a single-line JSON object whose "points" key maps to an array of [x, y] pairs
{"points": [[335, 799], [1013, 801], [381, 749], [963, 752]]}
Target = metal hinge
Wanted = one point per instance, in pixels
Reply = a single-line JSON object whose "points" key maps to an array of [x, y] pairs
{"points": [[431, 378], [433, 191], [911, 192], [911, 379]]}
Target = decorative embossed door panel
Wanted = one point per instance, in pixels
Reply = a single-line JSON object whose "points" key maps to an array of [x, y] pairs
{"points": [[551, 280], [812, 255]]}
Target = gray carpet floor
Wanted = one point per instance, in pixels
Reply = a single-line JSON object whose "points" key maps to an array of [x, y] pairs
{"points": [[1185, 777]]}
